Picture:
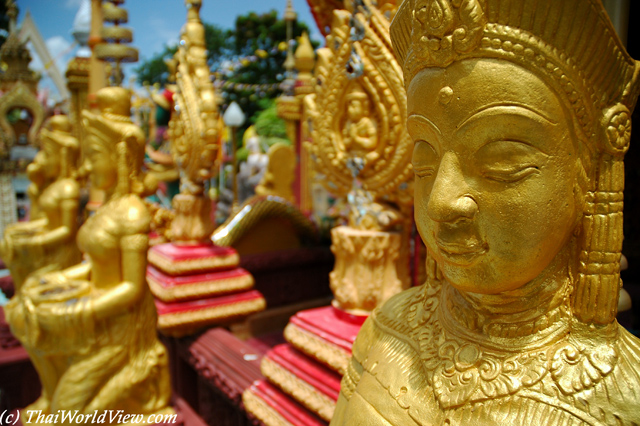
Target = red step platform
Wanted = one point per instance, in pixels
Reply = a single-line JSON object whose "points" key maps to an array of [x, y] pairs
{"points": [[325, 334], [304, 375], [308, 382], [199, 285], [271, 407]]}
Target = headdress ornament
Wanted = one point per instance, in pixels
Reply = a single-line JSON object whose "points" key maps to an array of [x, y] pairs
{"points": [[571, 41]]}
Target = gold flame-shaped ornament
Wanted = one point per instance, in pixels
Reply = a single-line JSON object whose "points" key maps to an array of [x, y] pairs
{"points": [[194, 130], [360, 80]]}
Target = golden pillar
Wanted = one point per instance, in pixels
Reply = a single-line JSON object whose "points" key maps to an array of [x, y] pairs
{"points": [[290, 110], [97, 74], [78, 83]]}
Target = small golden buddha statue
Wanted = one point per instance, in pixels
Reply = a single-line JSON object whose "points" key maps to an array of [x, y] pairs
{"points": [[280, 173], [521, 114], [93, 326], [360, 133], [48, 241]]}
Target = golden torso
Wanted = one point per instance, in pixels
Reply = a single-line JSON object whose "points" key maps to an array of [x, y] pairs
{"points": [[414, 364], [51, 199], [100, 237], [47, 243]]}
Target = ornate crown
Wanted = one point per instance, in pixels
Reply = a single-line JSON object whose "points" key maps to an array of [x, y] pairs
{"points": [[57, 133], [570, 42]]}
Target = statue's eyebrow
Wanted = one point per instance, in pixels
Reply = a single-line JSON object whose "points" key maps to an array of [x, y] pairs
{"points": [[421, 120], [508, 108]]}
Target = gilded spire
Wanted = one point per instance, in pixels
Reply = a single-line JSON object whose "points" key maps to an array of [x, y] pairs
{"points": [[12, 13], [305, 56], [290, 13]]}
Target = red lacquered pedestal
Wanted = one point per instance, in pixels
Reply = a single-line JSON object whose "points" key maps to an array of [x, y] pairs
{"points": [[199, 285], [325, 334], [303, 376], [271, 407]]}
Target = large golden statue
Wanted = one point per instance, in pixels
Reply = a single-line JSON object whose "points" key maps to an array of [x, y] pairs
{"points": [[521, 113], [92, 327], [47, 242]]}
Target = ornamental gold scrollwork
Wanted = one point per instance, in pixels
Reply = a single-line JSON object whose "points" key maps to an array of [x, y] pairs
{"points": [[19, 96], [368, 109], [361, 146]]}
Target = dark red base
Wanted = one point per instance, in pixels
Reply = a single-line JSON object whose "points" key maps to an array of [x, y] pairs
{"points": [[321, 378], [290, 410], [19, 382], [334, 326]]}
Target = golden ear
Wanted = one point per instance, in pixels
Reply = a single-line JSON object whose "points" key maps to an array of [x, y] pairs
{"points": [[616, 125]]}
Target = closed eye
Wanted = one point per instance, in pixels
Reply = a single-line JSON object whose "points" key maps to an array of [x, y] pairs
{"points": [[424, 171], [510, 174], [424, 159]]}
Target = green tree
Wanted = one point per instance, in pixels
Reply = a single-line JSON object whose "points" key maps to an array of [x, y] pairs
{"points": [[269, 125], [4, 22], [154, 70], [253, 53], [262, 38]]}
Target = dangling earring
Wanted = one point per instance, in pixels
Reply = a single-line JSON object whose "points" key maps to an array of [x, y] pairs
{"points": [[123, 185], [64, 162]]}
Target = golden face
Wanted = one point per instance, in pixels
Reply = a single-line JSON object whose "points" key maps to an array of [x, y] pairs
{"points": [[50, 160], [496, 168], [101, 165], [355, 110]]}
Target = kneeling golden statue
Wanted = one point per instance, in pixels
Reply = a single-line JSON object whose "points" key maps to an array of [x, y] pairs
{"points": [[521, 114], [91, 328], [47, 242]]}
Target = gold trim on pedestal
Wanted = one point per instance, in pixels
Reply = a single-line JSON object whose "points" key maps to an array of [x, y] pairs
{"points": [[302, 391], [198, 290], [192, 265], [176, 323], [260, 409], [332, 356]]}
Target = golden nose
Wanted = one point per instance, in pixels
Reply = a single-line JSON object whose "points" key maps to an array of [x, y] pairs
{"points": [[450, 200]]}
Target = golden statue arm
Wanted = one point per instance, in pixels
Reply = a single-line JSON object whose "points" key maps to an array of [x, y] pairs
{"points": [[159, 157], [69, 208], [131, 289], [81, 271], [32, 224], [59, 234], [117, 300]]}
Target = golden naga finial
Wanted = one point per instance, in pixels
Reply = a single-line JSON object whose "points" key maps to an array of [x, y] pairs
{"points": [[194, 130], [520, 113]]}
